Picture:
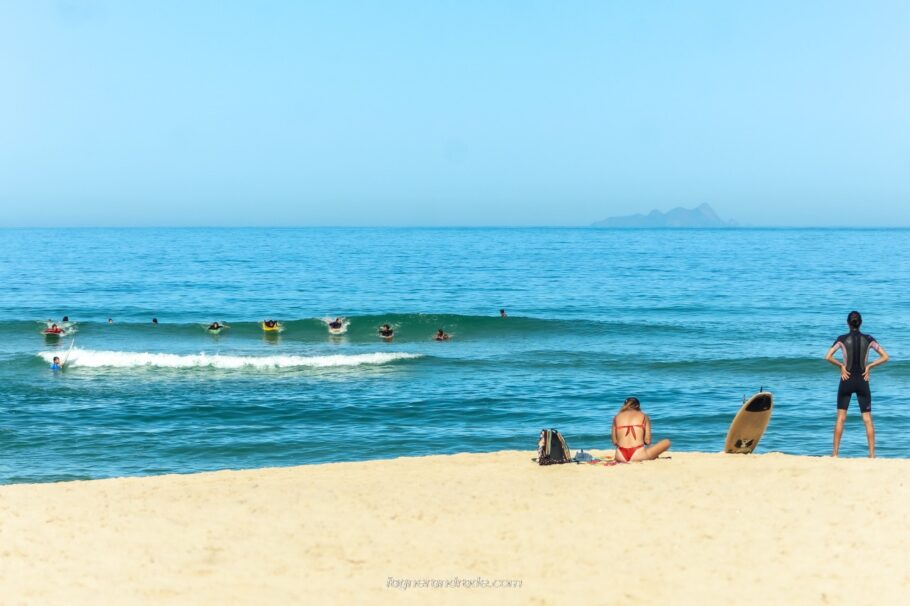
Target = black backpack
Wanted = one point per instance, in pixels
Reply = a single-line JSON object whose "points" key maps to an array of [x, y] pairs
{"points": [[552, 448]]}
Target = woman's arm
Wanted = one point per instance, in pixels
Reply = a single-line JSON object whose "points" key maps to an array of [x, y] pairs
{"points": [[882, 358], [613, 432], [647, 436], [830, 358]]}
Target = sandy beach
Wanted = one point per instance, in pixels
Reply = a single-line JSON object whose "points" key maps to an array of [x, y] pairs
{"points": [[470, 528]]}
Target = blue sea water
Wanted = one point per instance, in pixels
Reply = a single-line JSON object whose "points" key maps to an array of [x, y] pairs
{"points": [[689, 321]]}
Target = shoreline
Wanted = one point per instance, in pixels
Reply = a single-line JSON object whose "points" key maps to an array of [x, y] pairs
{"points": [[695, 528], [597, 452]]}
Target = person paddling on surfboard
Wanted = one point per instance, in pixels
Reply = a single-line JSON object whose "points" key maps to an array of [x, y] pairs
{"points": [[854, 377], [336, 324], [442, 335], [386, 332], [631, 434]]}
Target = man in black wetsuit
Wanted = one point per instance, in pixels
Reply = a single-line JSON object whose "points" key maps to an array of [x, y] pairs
{"points": [[854, 377]]}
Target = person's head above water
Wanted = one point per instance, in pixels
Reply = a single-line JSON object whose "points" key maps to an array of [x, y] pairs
{"points": [[630, 404], [854, 320], [154, 320], [502, 313], [66, 318], [56, 360]]}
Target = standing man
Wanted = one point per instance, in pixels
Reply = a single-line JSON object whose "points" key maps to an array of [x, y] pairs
{"points": [[854, 377]]}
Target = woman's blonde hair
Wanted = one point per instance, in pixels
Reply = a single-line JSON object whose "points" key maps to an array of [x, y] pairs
{"points": [[630, 404]]}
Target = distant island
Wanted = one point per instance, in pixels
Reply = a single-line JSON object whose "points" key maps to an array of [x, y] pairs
{"points": [[700, 216]]}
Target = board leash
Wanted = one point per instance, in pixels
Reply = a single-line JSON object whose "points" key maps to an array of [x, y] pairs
{"points": [[66, 358]]}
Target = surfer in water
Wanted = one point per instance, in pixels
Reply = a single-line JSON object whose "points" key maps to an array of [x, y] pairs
{"points": [[338, 324], [56, 365], [854, 377], [442, 335], [631, 434], [215, 326], [386, 332]]}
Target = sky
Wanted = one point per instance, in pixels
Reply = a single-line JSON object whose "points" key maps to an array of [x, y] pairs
{"points": [[452, 113]]}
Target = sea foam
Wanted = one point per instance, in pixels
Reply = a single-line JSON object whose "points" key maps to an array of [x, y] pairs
{"points": [[87, 358]]}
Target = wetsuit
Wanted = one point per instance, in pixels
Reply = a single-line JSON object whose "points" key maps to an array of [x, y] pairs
{"points": [[56, 367], [855, 348]]}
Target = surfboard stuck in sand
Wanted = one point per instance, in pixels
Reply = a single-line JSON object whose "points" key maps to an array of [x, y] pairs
{"points": [[749, 424]]}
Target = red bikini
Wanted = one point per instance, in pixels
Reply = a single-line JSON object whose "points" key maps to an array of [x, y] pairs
{"points": [[627, 452]]}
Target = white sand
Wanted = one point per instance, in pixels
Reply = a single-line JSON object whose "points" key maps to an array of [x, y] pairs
{"points": [[696, 529]]}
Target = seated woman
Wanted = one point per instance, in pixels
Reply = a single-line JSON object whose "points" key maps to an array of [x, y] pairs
{"points": [[631, 434]]}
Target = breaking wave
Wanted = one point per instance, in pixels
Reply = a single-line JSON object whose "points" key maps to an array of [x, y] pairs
{"points": [[87, 358]]}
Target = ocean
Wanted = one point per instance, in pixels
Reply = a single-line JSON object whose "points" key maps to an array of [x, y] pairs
{"points": [[688, 321]]}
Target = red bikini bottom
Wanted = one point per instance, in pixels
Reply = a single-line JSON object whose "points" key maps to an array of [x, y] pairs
{"points": [[628, 452]]}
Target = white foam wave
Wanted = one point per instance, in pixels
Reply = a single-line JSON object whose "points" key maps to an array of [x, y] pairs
{"points": [[87, 358]]}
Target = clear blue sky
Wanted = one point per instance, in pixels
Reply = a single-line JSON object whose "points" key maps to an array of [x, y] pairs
{"points": [[452, 113]]}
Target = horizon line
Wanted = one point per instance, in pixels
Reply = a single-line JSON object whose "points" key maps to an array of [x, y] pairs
{"points": [[417, 226]]}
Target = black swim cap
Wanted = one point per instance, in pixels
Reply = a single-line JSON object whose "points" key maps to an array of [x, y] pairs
{"points": [[855, 319]]}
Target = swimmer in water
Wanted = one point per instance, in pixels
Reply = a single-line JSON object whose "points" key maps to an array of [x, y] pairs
{"points": [[502, 313], [855, 373], [386, 332], [337, 323], [110, 320], [442, 335], [216, 326], [155, 321], [56, 365], [271, 323], [54, 329]]}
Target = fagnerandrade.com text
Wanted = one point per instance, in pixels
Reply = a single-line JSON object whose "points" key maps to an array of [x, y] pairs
{"points": [[405, 583]]}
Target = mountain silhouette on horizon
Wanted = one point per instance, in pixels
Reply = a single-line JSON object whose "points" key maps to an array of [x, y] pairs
{"points": [[700, 216]]}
